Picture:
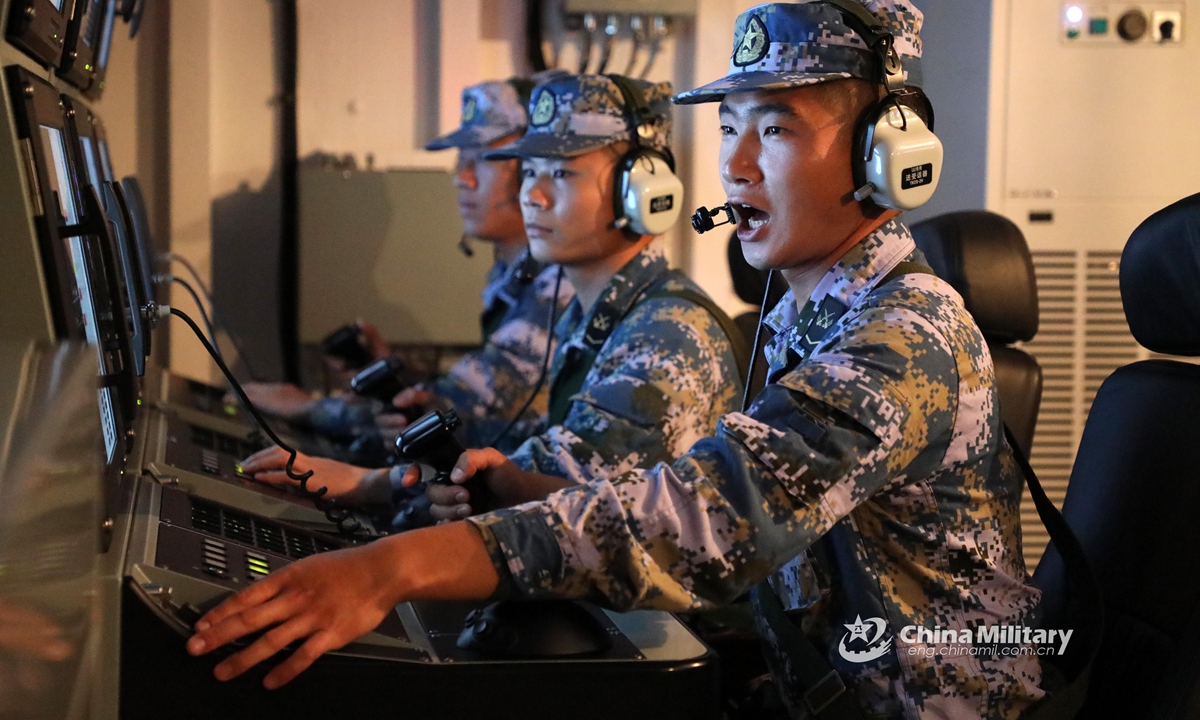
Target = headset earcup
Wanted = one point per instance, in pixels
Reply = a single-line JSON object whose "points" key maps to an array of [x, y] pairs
{"points": [[864, 132], [653, 196], [899, 161]]}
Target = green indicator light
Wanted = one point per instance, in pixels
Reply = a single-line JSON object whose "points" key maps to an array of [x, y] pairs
{"points": [[88, 66], [257, 564], [238, 469], [139, 401], [231, 409]]}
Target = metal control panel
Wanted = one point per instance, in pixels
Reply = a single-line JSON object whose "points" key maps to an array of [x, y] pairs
{"points": [[1146, 24]]}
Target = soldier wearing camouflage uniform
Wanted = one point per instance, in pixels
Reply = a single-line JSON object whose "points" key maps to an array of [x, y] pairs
{"points": [[870, 481], [661, 367], [489, 385]]}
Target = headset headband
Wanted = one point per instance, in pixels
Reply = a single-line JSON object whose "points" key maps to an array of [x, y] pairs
{"points": [[524, 88], [636, 107], [877, 37]]}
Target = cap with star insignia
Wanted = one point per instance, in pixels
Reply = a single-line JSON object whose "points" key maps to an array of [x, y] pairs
{"points": [[490, 111], [784, 45], [754, 44], [571, 115]]}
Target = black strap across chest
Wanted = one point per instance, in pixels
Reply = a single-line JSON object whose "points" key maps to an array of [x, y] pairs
{"points": [[569, 379]]}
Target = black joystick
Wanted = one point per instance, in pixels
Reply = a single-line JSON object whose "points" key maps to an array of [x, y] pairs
{"points": [[431, 440], [348, 344]]}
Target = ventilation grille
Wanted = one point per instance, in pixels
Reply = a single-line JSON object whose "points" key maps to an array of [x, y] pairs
{"points": [[1082, 338], [253, 532], [1055, 347]]}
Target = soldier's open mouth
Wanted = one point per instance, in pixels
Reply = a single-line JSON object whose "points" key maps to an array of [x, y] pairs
{"points": [[749, 217]]}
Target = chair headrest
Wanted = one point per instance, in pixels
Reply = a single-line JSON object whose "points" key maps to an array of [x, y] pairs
{"points": [[1160, 279], [984, 257]]}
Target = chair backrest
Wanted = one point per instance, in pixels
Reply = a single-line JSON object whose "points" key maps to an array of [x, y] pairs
{"points": [[1134, 494], [985, 258]]}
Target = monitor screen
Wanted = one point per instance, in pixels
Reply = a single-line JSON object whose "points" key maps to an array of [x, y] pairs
{"points": [[89, 156], [106, 161], [88, 26], [60, 180], [106, 33]]}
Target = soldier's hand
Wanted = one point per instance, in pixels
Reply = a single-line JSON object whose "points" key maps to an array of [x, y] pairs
{"points": [[325, 601], [280, 399], [508, 484], [349, 484]]}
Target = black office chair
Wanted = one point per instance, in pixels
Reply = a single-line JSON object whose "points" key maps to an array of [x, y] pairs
{"points": [[1134, 494], [985, 258]]}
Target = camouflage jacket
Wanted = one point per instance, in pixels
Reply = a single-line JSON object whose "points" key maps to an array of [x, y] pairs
{"points": [[870, 479], [658, 384], [486, 386]]}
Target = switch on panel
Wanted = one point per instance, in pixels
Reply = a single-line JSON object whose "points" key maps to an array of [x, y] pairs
{"points": [[1132, 25], [1166, 26]]}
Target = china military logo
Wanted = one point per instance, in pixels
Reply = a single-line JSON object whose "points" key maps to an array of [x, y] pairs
{"points": [[543, 111], [754, 45], [865, 635], [469, 108]]}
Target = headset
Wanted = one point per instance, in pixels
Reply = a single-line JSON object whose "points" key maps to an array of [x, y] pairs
{"points": [[647, 196], [524, 88], [897, 159]]}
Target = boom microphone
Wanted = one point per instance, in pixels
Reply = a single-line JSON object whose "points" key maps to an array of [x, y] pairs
{"points": [[702, 219]]}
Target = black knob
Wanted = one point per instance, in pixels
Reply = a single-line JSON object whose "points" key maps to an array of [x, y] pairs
{"points": [[484, 629], [1132, 25], [1166, 30]]}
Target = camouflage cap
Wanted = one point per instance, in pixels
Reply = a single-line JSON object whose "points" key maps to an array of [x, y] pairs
{"points": [[575, 114], [782, 45], [490, 111]]}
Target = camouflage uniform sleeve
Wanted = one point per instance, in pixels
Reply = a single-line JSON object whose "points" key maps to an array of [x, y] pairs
{"points": [[344, 415], [660, 383], [487, 387], [858, 415]]}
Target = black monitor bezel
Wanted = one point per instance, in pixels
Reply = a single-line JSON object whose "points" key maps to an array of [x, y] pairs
{"points": [[123, 277], [135, 204], [102, 266], [100, 67], [78, 65], [37, 103], [39, 29]]}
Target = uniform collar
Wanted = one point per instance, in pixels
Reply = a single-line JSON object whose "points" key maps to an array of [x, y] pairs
{"points": [[618, 297], [845, 284]]}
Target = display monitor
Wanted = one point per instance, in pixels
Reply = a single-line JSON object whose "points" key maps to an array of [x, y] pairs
{"points": [[103, 49], [95, 301], [39, 118], [121, 255], [38, 27], [80, 54]]}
